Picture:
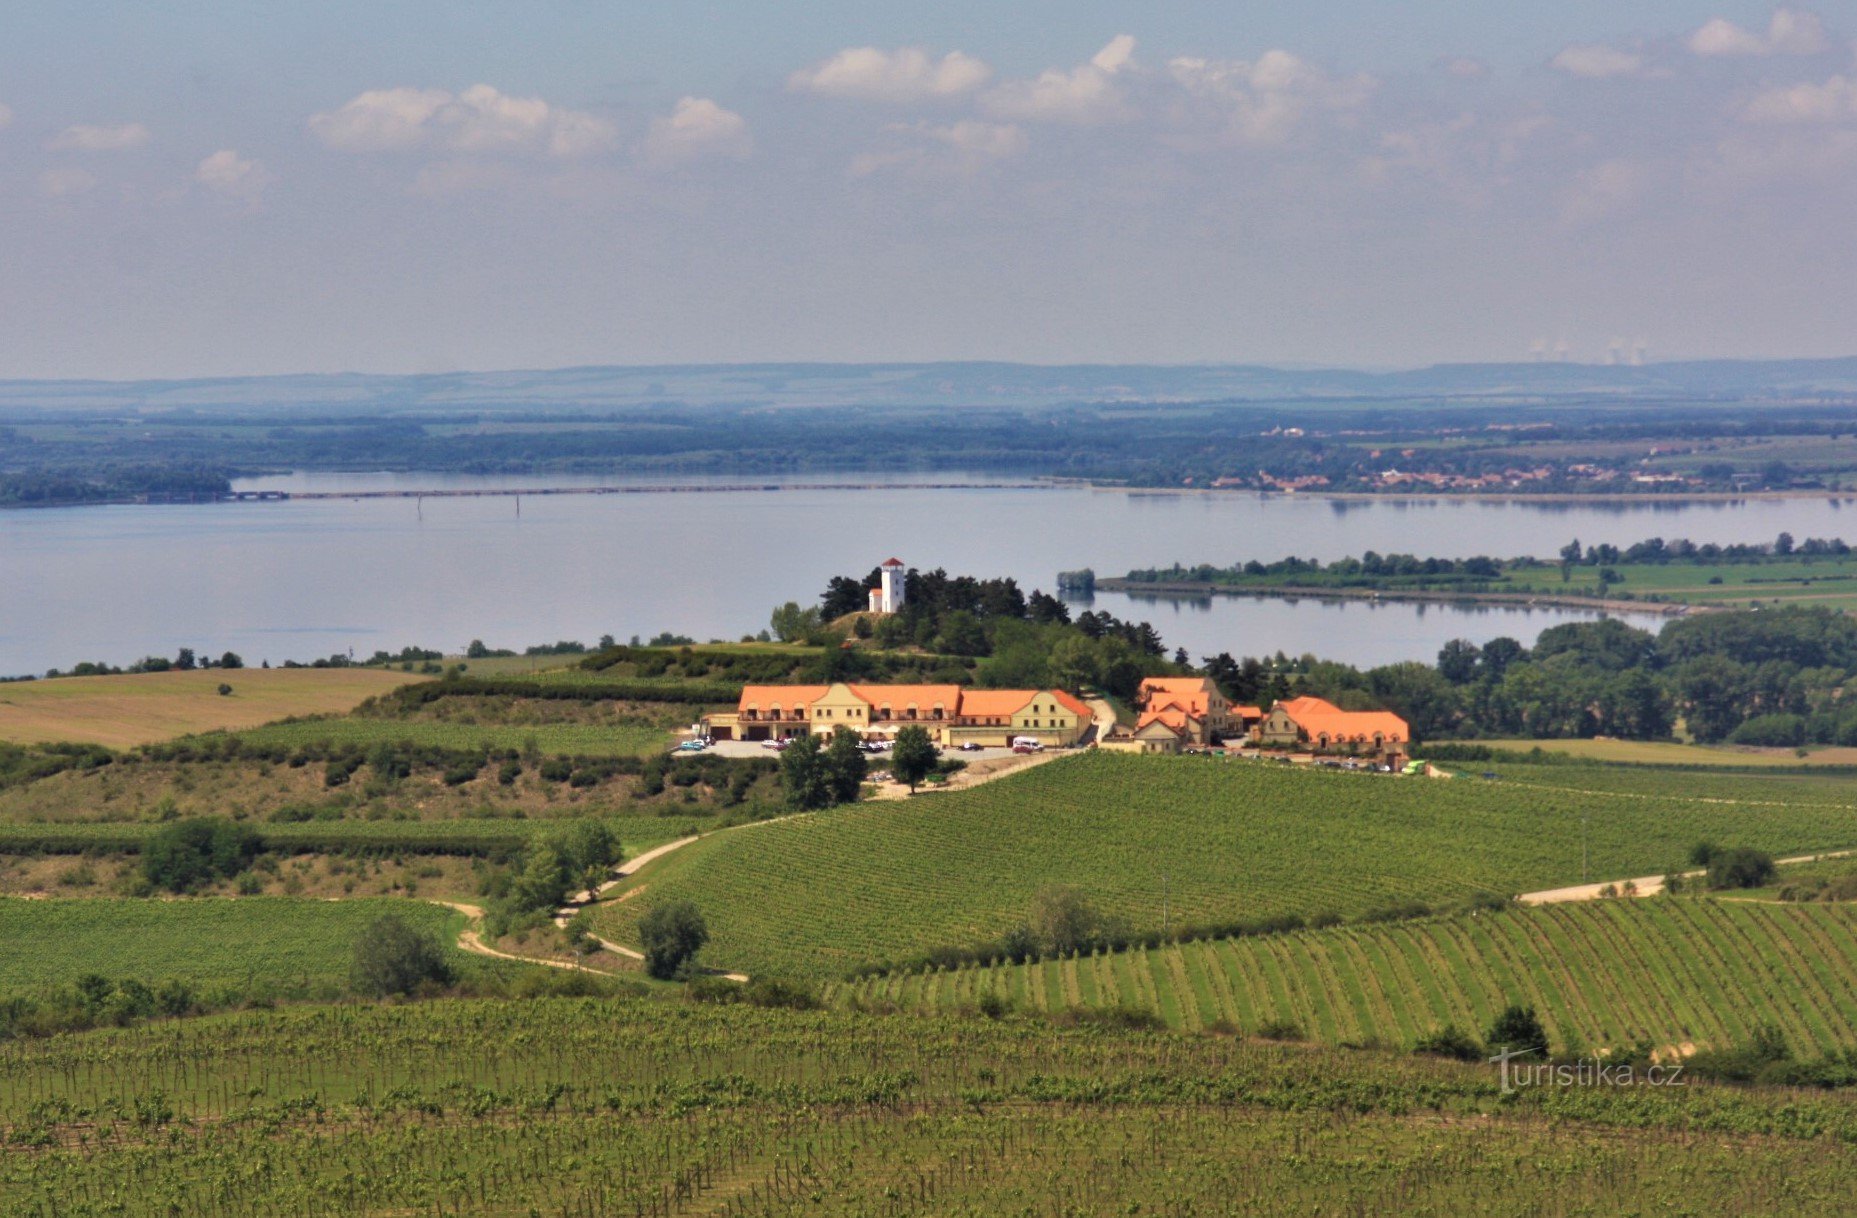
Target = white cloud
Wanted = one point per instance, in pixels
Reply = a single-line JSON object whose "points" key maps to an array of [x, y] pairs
{"points": [[228, 173], [1834, 101], [697, 128], [904, 75], [64, 181], [479, 120], [963, 147], [1261, 101], [1597, 61], [6, 115], [85, 138], [1791, 32], [1087, 93]]}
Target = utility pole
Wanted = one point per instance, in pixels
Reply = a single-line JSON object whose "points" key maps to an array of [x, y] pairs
{"points": [[1583, 818], [1166, 919]]}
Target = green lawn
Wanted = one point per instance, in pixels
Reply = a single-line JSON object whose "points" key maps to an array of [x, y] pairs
{"points": [[1154, 840]]}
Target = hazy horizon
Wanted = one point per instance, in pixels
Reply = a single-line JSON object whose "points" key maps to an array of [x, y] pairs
{"points": [[412, 188]]}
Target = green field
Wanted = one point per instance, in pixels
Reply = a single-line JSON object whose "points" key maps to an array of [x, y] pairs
{"points": [[1655, 752], [458, 836], [1602, 974], [1179, 840], [249, 943], [578, 1107], [572, 739]]}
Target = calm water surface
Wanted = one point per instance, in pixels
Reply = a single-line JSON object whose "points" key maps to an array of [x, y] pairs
{"points": [[305, 578]]}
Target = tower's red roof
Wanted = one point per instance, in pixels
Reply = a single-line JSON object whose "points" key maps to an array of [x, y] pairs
{"points": [[894, 562]]}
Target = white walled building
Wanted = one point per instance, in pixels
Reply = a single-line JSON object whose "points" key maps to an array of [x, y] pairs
{"points": [[888, 597]]}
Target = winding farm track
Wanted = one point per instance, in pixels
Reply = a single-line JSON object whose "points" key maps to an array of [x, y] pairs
{"points": [[1648, 885], [470, 941]]}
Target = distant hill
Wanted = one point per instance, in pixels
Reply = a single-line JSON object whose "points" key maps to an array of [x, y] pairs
{"points": [[949, 385]]}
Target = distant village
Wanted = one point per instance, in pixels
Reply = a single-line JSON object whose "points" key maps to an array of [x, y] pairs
{"points": [[1172, 714]]}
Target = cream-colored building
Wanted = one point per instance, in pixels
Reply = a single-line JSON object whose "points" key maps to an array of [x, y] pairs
{"points": [[952, 714]]}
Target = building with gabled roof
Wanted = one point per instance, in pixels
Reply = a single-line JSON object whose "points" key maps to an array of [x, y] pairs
{"points": [[953, 714], [1323, 727], [1195, 705]]}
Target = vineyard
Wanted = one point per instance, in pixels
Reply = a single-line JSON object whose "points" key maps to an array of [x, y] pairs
{"points": [[642, 1106], [254, 943], [554, 739], [494, 838], [1601, 974], [1156, 842]]}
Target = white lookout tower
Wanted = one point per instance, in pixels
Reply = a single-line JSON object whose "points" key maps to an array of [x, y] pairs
{"points": [[889, 597]]}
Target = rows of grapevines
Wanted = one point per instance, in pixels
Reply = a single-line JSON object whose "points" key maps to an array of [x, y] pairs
{"points": [[649, 1107], [248, 942], [1609, 973], [1158, 841]]}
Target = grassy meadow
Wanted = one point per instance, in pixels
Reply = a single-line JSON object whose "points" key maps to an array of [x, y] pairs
{"points": [[140, 708], [1158, 841]]}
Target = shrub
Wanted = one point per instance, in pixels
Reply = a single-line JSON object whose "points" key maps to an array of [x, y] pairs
{"points": [[1450, 1041], [671, 936], [1741, 867], [1517, 1030], [186, 854], [392, 957], [1280, 1029]]}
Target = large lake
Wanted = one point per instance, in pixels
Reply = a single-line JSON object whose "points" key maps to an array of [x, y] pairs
{"points": [[306, 578]]}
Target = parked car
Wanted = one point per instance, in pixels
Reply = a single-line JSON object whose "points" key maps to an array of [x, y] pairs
{"points": [[971, 746], [693, 746]]}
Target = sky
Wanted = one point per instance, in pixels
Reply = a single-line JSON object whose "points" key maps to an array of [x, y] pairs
{"points": [[203, 189]]}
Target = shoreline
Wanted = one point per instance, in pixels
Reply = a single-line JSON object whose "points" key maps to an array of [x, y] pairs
{"points": [[1035, 482], [1525, 600], [1621, 498]]}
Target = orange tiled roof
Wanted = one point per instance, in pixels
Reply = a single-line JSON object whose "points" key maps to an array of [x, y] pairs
{"points": [[1318, 716], [1074, 703], [1248, 712], [922, 697], [785, 697], [1169, 715]]}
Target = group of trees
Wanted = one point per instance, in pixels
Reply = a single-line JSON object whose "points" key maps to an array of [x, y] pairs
{"points": [[1771, 676], [1011, 640], [818, 776]]}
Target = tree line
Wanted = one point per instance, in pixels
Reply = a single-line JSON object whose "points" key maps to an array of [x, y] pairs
{"points": [[1758, 677]]}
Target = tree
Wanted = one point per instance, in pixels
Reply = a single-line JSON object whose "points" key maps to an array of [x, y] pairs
{"points": [[845, 766], [392, 957], [589, 852], [962, 635], [1458, 661], [231, 659], [1517, 1030], [671, 936], [913, 756], [1741, 867], [184, 659], [187, 854], [1073, 662], [805, 775], [1063, 921], [790, 623]]}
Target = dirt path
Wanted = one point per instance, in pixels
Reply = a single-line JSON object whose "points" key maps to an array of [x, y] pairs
{"points": [[470, 940], [1648, 885]]}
